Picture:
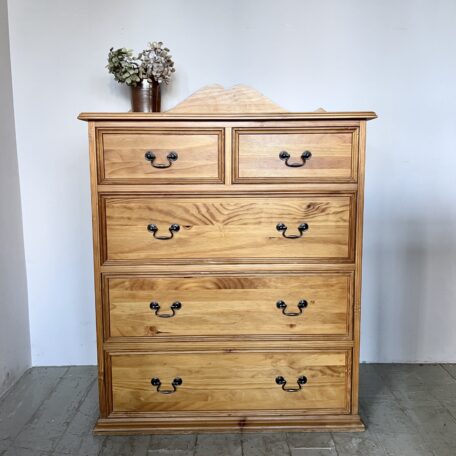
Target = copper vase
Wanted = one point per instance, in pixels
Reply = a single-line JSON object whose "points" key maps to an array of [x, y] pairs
{"points": [[146, 97]]}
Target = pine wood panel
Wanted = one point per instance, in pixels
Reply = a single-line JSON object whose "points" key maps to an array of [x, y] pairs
{"points": [[164, 121], [245, 422], [230, 381], [358, 271], [202, 117], [272, 188], [256, 155], [224, 269], [96, 232], [243, 305], [216, 99], [193, 345], [227, 229], [122, 155]]}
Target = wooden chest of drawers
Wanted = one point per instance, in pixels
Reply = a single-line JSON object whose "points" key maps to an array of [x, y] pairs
{"points": [[227, 249]]}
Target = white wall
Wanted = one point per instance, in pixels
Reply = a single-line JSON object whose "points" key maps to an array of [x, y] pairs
{"points": [[397, 58], [14, 322]]}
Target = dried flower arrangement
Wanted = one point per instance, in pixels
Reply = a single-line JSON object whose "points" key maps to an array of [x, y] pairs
{"points": [[153, 64]]}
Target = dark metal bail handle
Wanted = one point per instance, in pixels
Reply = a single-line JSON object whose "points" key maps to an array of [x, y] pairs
{"points": [[175, 383], [176, 305], [284, 155], [171, 157], [302, 304], [174, 228], [302, 380], [281, 227]]}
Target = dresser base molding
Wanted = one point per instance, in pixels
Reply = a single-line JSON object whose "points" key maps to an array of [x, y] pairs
{"points": [[201, 424]]}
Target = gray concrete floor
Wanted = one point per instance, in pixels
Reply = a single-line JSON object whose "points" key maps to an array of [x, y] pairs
{"points": [[410, 410]]}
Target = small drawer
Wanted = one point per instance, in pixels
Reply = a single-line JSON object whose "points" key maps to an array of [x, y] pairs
{"points": [[295, 155], [146, 229], [313, 305], [309, 381], [160, 156]]}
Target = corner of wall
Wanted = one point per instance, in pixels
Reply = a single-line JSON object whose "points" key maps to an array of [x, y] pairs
{"points": [[15, 351]]}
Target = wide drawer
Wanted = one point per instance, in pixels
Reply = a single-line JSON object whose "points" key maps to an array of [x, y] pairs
{"points": [[319, 381], [154, 156], [312, 305], [224, 229], [295, 155]]}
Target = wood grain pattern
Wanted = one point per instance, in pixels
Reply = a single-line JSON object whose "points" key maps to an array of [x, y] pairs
{"points": [[231, 381], [245, 422], [200, 155], [97, 242], [273, 189], [193, 345], [228, 228], [171, 116], [216, 99], [256, 155], [358, 270], [242, 305], [158, 269], [184, 122]]}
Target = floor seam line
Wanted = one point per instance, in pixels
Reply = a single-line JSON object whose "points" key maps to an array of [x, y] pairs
{"points": [[447, 371]]}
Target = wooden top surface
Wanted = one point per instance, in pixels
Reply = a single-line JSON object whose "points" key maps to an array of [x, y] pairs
{"points": [[236, 103], [359, 115]]}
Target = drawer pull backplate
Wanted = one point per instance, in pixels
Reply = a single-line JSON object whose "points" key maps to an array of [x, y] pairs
{"points": [[174, 228], [300, 381], [281, 227], [284, 155], [176, 305], [175, 383], [171, 157], [302, 304]]}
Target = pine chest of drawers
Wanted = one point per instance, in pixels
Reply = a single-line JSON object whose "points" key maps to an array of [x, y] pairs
{"points": [[227, 249]]}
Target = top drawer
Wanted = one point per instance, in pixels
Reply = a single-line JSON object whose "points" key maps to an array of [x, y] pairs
{"points": [[295, 155], [160, 156]]}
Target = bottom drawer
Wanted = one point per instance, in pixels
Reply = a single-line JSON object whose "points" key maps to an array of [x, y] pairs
{"points": [[308, 381]]}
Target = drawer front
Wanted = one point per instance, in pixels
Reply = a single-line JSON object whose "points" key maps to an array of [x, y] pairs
{"points": [[151, 156], [274, 229], [309, 304], [229, 381], [295, 155]]}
